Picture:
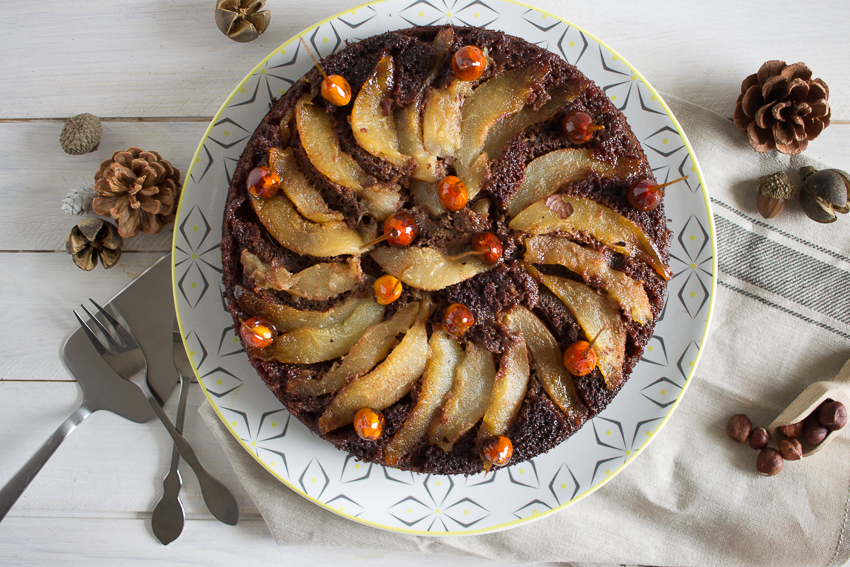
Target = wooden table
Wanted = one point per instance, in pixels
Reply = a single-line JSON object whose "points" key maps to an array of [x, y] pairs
{"points": [[156, 72]]}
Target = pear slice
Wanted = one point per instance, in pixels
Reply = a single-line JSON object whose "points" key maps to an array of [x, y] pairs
{"points": [[307, 200], [597, 319], [319, 282], [409, 126], [476, 175], [373, 347], [550, 172], [591, 265], [441, 122], [425, 194], [467, 401], [385, 385], [508, 392], [374, 129], [302, 236], [306, 345], [548, 359], [446, 354], [315, 128], [427, 268], [286, 318], [602, 223]]}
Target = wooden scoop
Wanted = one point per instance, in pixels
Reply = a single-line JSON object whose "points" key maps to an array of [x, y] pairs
{"points": [[837, 389]]}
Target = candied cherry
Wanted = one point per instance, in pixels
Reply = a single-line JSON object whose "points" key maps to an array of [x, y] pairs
{"points": [[457, 319], [387, 289], [263, 183], [400, 228], [580, 358], [488, 246], [578, 127], [497, 452], [452, 193], [257, 332], [468, 63], [335, 89], [368, 424], [645, 195]]}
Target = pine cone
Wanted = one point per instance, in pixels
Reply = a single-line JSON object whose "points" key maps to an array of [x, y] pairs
{"points": [[782, 107], [78, 201], [81, 134], [139, 189]]}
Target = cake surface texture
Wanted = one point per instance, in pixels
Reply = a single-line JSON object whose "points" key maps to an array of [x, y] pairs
{"points": [[544, 250]]}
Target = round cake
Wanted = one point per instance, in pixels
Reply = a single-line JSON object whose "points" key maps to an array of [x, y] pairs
{"points": [[444, 250]]}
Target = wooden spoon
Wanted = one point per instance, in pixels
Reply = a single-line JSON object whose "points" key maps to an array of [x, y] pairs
{"points": [[837, 389]]}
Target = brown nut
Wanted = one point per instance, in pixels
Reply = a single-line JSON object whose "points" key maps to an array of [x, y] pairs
{"points": [[739, 428], [759, 438], [791, 449], [770, 207], [833, 415], [769, 462], [814, 432], [792, 431]]}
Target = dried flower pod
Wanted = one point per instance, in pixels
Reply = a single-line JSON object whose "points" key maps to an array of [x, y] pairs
{"points": [[242, 20], [773, 191], [824, 193], [94, 238], [81, 134]]}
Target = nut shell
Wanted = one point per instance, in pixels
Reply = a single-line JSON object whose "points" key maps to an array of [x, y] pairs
{"points": [[759, 438], [739, 428], [769, 462], [94, 239], [793, 430], [824, 193], [833, 415], [791, 449], [241, 20]]}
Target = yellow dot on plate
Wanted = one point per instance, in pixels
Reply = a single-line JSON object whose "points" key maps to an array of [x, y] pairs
{"points": [[235, 340], [313, 480], [693, 237], [608, 432], [253, 443], [564, 486], [613, 97], [634, 77], [691, 364], [693, 294], [341, 508], [448, 14], [693, 168], [650, 348], [218, 382], [534, 512], [197, 160], [607, 472], [194, 256], [191, 353], [438, 483], [614, 58], [410, 510], [233, 423], [357, 466], [324, 40], [421, 14], [262, 71], [227, 132], [663, 392], [242, 90], [649, 433], [693, 267], [283, 52], [437, 511], [665, 141], [521, 471], [653, 97], [282, 91], [628, 453], [193, 284], [476, 14], [272, 463], [354, 12], [572, 44], [274, 424], [194, 229], [466, 512], [545, 16]]}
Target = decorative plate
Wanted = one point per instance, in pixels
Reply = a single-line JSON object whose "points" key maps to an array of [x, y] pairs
{"points": [[400, 500]]}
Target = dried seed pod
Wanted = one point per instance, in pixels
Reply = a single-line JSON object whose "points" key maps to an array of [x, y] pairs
{"points": [[824, 193], [81, 134], [242, 20], [773, 191], [94, 238]]}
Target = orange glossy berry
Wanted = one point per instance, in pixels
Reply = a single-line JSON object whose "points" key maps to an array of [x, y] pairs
{"points": [[488, 246], [578, 127], [580, 358], [368, 424], [452, 193], [645, 195], [468, 63], [498, 452], [262, 183], [457, 319], [336, 90], [401, 228], [257, 332], [387, 289]]}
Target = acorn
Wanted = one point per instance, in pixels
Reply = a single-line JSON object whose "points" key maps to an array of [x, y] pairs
{"points": [[773, 191], [824, 193]]}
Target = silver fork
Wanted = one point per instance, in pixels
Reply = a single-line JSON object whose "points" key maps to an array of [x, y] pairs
{"points": [[122, 352]]}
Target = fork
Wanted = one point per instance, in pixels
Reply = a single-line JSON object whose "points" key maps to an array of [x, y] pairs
{"points": [[120, 350]]}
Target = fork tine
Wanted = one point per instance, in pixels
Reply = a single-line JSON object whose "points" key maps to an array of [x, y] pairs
{"points": [[111, 342], [95, 340], [126, 337]]}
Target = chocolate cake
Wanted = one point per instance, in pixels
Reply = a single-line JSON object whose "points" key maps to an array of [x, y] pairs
{"points": [[520, 221]]}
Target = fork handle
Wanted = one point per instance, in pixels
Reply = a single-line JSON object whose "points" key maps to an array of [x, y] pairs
{"points": [[218, 498], [13, 489]]}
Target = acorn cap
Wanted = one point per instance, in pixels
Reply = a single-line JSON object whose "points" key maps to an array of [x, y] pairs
{"points": [[81, 134], [776, 186]]}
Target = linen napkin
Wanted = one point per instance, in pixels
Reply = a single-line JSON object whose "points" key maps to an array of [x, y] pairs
{"points": [[781, 321]]}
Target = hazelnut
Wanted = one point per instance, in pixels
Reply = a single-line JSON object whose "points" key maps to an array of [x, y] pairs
{"points": [[814, 432], [791, 449], [832, 415], [759, 438], [792, 430], [769, 462], [739, 428]]}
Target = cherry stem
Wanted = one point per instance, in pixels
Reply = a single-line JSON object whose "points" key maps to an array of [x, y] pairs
{"points": [[381, 238], [595, 127], [591, 343], [319, 67], [466, 255], [671, 182]]}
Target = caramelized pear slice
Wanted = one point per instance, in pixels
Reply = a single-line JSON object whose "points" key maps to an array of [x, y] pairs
{"points": [[446, 354], [602, 223], [374, 129], [385, 385], [425, 194], [548, 359], [441, 122], [598, 318], [302, 236], [319, 282], [550, 172], [306, 345], [427, 268], [476, 175], [307, 200], [372, 348], [286, 318], [592, 267], [467, 401], [508, 392], [409, 126]]}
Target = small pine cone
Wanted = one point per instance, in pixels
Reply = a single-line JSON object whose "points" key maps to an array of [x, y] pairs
{"points": [[78, 201], [781, 107], [81, 134]]}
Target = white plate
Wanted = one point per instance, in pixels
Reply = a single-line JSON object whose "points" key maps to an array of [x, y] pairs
{"points": [[430, 504]]}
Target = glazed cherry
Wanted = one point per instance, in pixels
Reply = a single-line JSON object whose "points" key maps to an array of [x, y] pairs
{"points": [[257, 332], [645, 195], [578, 127], [580, 358], [336, 89], [488, 246], [401, 228], [497, 452], [387, 289], [262, 183], [452, 193], [457, 319], [468, 63], [368, 424]]}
